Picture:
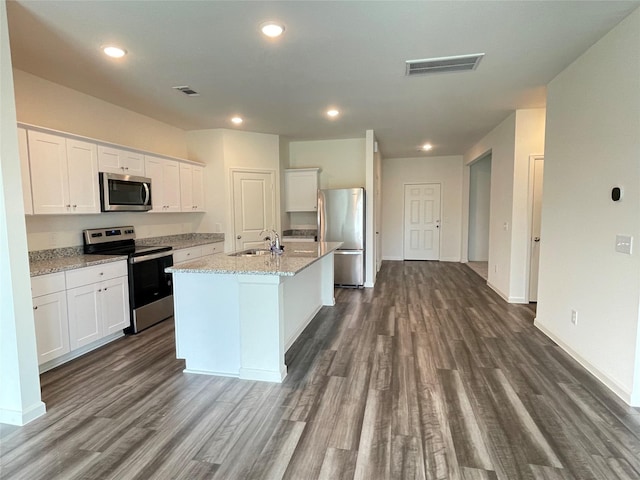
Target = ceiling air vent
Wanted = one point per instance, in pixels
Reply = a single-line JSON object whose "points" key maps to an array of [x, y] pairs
{"points": [[187, 90], [458, 63]]}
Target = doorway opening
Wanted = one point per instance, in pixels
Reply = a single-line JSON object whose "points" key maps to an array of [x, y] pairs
{"points": [[479, 213]]}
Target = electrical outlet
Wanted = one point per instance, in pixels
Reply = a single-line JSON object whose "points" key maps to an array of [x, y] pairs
{"points": [[53, 239], [574, 317]]}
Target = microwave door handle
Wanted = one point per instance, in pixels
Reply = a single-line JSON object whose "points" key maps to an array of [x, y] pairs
{"points": [[145, 200]]}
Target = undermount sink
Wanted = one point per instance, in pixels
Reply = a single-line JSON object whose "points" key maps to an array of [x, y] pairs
{"points": [[252, 252]]}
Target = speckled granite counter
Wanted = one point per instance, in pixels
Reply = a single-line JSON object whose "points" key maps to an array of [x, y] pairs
{"points": [[296, 257], [184, 240], [42, 262]]}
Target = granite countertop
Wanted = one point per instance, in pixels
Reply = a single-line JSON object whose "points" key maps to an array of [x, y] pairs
{"points": [[42, 262], [60, 264], [184, 240], [296, 257], [291, 235]]}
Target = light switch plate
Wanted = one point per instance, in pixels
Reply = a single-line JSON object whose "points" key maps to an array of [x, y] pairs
{"points": [[624, 244]]}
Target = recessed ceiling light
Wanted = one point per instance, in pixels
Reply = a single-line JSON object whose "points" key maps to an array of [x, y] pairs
{"points": [[426, 147], [333, 113], [113, 51], [272, 29], [236, 120]]}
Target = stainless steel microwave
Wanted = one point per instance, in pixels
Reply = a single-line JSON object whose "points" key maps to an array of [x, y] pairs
{"points": [[124, 193]]}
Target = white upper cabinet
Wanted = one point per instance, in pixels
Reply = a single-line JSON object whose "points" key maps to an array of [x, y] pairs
{"points": [[23, 151], [165, 184], [191, 188], [301, 189], [64, 174], [116, 160]]}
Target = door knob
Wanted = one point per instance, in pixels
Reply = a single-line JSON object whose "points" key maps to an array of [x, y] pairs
{"points": [[536, 239]]}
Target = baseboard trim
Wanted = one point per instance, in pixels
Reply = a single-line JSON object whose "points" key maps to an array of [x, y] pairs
{"points": [[495, 289], [607, 381], [393, 259], [22, 417]]}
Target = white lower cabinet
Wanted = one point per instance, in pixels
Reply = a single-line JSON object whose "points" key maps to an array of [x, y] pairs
{"points": [[50, 317], [97, 309], [84, 315], [77, 308]]}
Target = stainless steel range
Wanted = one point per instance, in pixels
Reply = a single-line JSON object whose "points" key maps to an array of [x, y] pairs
{"points": [[150, 288]]}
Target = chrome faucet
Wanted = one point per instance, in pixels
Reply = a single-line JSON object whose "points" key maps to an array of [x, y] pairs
{"points": [[273, 240]]}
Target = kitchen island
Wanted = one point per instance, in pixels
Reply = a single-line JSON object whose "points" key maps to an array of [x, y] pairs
{"points": [[237, 315]]}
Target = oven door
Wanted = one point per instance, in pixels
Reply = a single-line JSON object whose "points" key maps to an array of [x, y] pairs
{"points": [[150, 290], [148, 282]]}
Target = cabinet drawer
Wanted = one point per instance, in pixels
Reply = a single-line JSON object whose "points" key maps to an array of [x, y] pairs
{"points": [[46, 284], [186, 254], [97, 273], [212, 248]]}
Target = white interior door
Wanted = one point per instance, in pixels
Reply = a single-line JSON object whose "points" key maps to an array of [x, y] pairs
{"points": [[253, 207], [537, 170], [422, 221]]}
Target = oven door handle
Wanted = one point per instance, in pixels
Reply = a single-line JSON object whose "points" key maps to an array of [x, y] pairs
{"points": [[151, 256]]}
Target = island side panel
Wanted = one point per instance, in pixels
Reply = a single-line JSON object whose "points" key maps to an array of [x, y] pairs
{"points": [[207, 323], [303, 295], [327, 282], [262, 327]]}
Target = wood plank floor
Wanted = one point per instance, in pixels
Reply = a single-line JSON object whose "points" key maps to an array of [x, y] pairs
{"points": [[429, 376]]}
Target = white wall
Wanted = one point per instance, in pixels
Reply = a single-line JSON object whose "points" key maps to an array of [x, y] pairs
{"points": [[222, 150], [342, 164], [479, 209], [396, 172], [47, 104], [530, 133], [342, 161], [19, 380], [593, 144], [511, 143]]}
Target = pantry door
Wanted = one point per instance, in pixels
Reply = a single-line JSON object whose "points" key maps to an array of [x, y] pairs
{"points": [[422, 221], [253, 200]]}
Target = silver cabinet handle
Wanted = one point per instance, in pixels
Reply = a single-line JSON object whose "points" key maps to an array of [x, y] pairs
{"points": [[239, 237], [35, 308], [536, 239]]}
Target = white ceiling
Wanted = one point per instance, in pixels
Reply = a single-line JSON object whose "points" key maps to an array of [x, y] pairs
{"points": [[347, 54]]}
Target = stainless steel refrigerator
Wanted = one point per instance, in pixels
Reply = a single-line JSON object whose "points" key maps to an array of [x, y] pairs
{"points": [[341, 219]]}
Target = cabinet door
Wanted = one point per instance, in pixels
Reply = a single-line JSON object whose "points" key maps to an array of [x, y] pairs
{"points": [[23, 150], [49, 180], [82, 164], [132, 163], [109, 160], [124, 162], [114, 299], [52, 328], [186, 187], [198, 188], [171, 186], [84, 306], [301, 190], [153, 169]]}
